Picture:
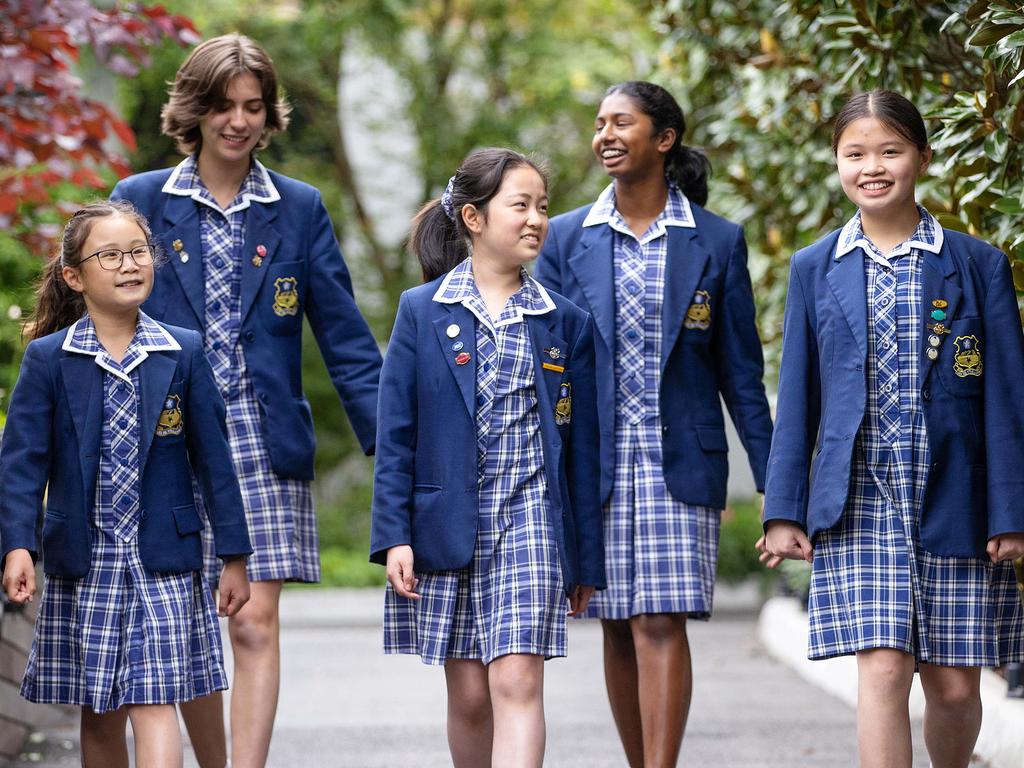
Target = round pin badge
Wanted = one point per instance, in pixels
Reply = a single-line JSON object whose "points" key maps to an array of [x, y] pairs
{"points": [[934, 340], [452, 331], [932, 353], [457, 346]]}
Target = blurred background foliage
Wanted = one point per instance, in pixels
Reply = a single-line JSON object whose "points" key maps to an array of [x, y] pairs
{"points": [[760, 82]]}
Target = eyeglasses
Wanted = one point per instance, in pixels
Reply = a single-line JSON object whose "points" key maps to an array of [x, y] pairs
{"points": [[113, 258]]}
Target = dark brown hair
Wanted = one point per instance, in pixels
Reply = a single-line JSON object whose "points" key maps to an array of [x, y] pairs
{"points": [[686, 166], [891, 109], [57, 305], [440, 242], [202, 83]]}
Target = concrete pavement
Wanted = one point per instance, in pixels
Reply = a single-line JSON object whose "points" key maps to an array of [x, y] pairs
{"points": [[345, 704]]}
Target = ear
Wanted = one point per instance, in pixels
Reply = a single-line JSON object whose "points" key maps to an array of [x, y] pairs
{"points": [[926, 159], [473, 218], [73, 278], [666, 140]]}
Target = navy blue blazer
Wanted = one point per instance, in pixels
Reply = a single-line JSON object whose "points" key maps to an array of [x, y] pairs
{"points": [[425, 478], [52, 443], [299, 248], [697, 366], [975, 424]]}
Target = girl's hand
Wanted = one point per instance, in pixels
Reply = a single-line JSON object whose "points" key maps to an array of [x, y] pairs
{"points": [[784, 541], [234, 587], [579, 599], [19, 576], [400, 573], [1006, 546]]}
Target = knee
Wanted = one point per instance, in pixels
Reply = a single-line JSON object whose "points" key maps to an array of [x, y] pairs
{"points": [[618, 638], [514, 680], [108, 726], [253, 630], [471, 707], [655, 629], [885, 672], [955, 697]]}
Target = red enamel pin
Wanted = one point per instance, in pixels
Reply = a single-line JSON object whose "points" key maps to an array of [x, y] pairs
{"points": [[462, 358]]}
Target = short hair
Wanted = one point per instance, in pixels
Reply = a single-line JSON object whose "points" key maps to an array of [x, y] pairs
{"points": [[203, 80], [895, 112]]}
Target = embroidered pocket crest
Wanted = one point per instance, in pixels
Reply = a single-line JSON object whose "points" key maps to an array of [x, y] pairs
{"points": [[967, 358], [169, 422], [563, 408], [698, 316], [286, 296]]}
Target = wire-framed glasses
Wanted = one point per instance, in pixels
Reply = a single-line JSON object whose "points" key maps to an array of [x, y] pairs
{"points": [[112, 258]]}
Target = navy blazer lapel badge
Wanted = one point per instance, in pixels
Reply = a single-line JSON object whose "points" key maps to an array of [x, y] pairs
{"points": [[967, 359], [169, 422], [563, 408], [286, 296], [179, 248], [698, 315], [261, 252]]}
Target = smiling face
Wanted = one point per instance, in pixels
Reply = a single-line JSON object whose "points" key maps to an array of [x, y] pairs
{"points": [[878, 167], [233, 127], [118, 291], [512, 229], [625, 141]]}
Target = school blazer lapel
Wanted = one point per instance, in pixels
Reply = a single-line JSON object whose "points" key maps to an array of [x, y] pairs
{"points": [[465, 375], [591, 264], [846, 279], [547, 380], [83, 387], [182, 215], [685, 263], [259, 230], [938, 281], [155, 375]]}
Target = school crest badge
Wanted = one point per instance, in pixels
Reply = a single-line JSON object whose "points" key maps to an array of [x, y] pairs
{"points": [[169, 422], [286, 296], [563, 408], [698, 316], [967, 358]]}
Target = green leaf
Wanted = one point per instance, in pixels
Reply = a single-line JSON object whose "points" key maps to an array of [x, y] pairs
{"points": [[992, 33], [1009, 205]]}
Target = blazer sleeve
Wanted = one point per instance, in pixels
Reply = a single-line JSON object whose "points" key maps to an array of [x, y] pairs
{"points": [[548, 271], [349, 350], [26, 453], [798, 413], [210, 457], [583, 467], [741, 366], [1004, 403], [393, 472]]}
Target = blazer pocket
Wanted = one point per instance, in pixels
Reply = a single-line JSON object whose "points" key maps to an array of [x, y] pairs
{"points": [[961, 360], [426, 488], [282, 298], [186, 519], [712, 439], [170, 426]]}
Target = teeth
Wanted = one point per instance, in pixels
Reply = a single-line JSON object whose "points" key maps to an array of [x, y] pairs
{"points": [[876, 185], [608, 153]]}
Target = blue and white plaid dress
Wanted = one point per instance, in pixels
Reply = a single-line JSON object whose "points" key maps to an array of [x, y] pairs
{"points": [[279, 511], [121, 634], [660, 554], [511, 598], [873, 586]]}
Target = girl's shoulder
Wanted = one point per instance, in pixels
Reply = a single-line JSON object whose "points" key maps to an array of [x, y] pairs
{"points": [[970, 246]]}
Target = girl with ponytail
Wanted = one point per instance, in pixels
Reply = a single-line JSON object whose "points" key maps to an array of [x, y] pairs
{"points": [[111, 416], [667, 284], [485, 506]]}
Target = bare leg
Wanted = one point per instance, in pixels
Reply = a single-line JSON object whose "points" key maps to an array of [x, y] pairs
{"points": [[255, 641], [952, 713], [157, 735], [620, 678], [517, 698], [884, 677], [103, 742], [470, 723], [665, 684], [204, 720]]}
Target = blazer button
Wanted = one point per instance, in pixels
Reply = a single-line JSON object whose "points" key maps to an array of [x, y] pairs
{"points": [[263, 397], [250, 336], [664, 429], [926, 393]]}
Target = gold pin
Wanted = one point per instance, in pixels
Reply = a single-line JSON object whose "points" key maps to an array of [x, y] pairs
{"points": [[177, 245]]}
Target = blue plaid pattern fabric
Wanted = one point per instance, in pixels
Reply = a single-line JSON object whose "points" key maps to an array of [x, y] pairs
{"points": [[872, 584], [510, 599], [279, 511], [660, 554], [122, 635]]}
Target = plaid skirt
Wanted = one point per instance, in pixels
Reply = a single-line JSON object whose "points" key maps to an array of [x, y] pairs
{"points": [[660, 554], [872, 586], [510, 599], [123, 635], [279, 511]]}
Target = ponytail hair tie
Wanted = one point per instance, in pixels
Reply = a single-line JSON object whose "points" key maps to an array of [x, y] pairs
{"points": [[446, 199]]}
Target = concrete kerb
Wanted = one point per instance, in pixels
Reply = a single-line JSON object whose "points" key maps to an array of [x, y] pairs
{"points": [[782, 629]]}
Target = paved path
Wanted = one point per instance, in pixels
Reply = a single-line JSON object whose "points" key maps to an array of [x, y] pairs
{"points": [[345, 704]]}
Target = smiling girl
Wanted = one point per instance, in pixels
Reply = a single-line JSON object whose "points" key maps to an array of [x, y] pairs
{"points": [[253, 254], [895, 465], [485, 506]]}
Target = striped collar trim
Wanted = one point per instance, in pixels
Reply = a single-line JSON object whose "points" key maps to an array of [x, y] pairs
{"points": [[256, 188], [927, 236]]}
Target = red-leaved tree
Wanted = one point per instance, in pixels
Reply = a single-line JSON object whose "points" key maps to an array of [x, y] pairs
{"points": [[50, 133]]}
